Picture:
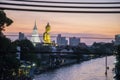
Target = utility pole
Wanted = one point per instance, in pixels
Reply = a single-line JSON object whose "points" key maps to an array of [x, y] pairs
{"points": [[106, 65]]}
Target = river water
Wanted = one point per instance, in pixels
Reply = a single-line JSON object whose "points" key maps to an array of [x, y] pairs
{"points": [[88, 70]]}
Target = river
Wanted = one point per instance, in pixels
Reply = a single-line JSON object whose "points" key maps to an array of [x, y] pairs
{"points": [[88, 70]]}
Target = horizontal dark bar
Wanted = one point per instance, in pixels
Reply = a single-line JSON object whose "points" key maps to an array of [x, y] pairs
{"points": [[55, 6], [60, 11], [60, 2]]}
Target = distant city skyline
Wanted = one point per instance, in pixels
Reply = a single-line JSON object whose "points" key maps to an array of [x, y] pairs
{"points": [[88, 41]]}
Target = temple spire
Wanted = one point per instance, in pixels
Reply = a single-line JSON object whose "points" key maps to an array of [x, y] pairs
{"points": [[35, 26], [35, 35]]}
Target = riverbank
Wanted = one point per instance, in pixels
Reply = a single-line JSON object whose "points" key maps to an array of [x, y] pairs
{"points": [[67, 63], [87, 70]]}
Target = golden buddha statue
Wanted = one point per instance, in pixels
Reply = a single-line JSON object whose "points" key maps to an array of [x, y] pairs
{"points": [[46, 35]]}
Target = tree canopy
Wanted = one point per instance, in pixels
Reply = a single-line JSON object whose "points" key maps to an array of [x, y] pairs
{"points": [[4, 21]]}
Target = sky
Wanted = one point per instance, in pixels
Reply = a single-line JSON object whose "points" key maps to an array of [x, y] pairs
{"points": [[67, 24]]}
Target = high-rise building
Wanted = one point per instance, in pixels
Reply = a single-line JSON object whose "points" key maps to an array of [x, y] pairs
{"points": [[35, 36], [117, 39], [61, 41], [74, 41], [21, 36]]}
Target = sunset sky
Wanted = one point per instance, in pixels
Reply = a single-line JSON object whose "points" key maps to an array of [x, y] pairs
{"points": [[101, 25]]}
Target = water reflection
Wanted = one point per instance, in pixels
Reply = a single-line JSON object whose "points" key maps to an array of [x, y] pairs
{"points": [[89, 70]]}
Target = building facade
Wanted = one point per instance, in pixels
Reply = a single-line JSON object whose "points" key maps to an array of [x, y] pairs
{"points": [[21, 36], [74, 41], [61, 41], [117, 39]]}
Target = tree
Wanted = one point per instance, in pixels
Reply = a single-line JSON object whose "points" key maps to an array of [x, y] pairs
{"points": [[4, 44], [4, 21], [8, 61], [117, 66], [27, 50]]}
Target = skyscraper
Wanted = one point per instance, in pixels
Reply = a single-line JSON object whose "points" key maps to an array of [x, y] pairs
{"points": [[35, 36], [21, 36], [117, 39], [74, 41], [61, 41]]}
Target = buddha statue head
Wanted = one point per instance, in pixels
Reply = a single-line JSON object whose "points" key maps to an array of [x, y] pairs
{"points": [[47, 28]]}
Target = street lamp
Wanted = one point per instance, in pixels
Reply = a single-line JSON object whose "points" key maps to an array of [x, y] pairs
{"points": [[33, 64]]}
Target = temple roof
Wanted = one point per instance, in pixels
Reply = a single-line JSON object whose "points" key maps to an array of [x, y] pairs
{"points": [[35, 26]]}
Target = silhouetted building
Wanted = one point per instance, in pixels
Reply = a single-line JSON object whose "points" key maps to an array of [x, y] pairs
{"points": [[21, 36], [35, 36], [82, 45], [61, 41], [117, 39], [74, 41], [97, 45]]}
